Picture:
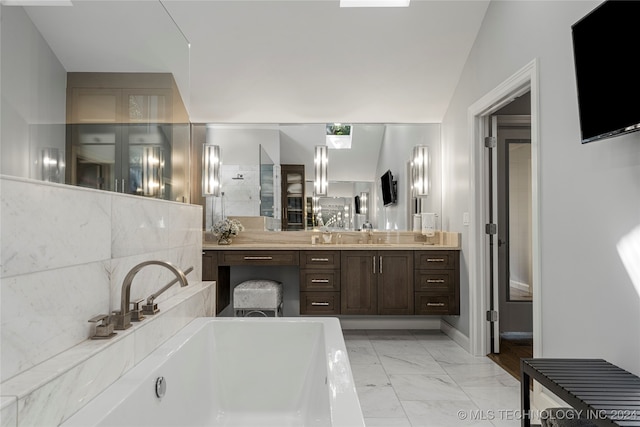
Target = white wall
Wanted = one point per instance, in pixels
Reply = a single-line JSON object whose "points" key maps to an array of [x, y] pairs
{"points": [[590, 194], [33, 96]]}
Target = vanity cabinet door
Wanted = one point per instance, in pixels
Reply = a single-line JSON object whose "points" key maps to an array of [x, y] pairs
{"points": [[358, 279], [395, 282]]}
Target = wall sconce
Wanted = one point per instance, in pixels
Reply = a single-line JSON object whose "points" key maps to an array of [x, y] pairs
{"points": [[364, 204], [321, 160], [420, 171], [152, 171], [50, 164], [211, 162]]}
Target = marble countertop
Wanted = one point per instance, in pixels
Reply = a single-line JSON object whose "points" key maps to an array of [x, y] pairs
{"points": [[326, 247], [303, 240]]}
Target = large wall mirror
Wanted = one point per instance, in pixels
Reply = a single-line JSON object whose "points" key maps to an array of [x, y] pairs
{"points": [[109, 153], [253, 156]]}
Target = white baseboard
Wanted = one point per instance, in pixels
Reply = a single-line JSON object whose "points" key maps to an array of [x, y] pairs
{"points": [[461, 339], [384, 322]]}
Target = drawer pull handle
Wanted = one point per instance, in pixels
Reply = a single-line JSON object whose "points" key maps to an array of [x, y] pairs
{"points": [[258, 258], [319, 280], [323, 304], [435, 304], [435, 259], [319, 259], [435, 280]]}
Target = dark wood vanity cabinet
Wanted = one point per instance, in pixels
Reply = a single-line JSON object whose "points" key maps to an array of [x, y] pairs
{"points": [[437, 282], [320, 282], [377, 282], [354, 282]]}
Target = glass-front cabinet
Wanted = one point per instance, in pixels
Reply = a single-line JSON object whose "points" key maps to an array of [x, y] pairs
{"points": [[125, 139], [293, 200]]}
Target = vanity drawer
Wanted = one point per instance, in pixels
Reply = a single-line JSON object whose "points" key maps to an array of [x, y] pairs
{"points": [[320, 259], [320, 303], [319, 280], [258, 258], [428, 303], [438, 280], [436, 259]]}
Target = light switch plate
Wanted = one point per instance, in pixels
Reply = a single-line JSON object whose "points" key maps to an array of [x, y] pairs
{"points": [[465, 218]]}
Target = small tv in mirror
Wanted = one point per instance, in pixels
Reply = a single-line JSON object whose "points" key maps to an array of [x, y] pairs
{"points": [[605, 46], [389, 189]]}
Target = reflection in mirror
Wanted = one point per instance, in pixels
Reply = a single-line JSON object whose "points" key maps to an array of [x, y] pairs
{"points": [[375, 149], [100, 131], [267, 187]]}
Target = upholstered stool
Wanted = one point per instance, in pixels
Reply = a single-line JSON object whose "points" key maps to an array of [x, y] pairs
{"points": [[256, 296]]}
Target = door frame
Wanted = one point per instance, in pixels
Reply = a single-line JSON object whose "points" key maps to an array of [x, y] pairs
{"points": [[524, 80]]}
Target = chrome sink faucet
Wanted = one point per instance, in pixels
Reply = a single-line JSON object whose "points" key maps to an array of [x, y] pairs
{"points": [[123, 317]]}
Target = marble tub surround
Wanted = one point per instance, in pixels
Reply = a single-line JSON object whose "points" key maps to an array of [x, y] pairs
{"points": [[49, 393], [64, 253], [339, 239]]}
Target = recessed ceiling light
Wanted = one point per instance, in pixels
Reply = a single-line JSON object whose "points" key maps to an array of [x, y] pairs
{"points": [[374, 3]]}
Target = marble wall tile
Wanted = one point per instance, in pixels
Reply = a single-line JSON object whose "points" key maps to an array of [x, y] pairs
{"points": [[58, 399], [65, 252], [8, 411], [46, 226], [152, 278], [139, 225], [185, 225], [47, 312]]}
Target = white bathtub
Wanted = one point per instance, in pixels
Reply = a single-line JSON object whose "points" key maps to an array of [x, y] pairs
{"points": [[237, 372]]}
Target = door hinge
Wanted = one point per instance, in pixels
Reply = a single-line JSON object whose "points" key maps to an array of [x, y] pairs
{"points": [[491, 228], [492, 316], [490, 142]]}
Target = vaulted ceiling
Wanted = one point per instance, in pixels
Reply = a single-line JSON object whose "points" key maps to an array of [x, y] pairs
{"points": [[277, 61]]}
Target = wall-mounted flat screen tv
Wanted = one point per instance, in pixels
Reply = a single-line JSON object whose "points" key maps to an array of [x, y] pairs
{"points": [[605, 51], [389, 193]]}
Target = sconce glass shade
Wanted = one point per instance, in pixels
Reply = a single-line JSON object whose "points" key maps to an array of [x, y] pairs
{"points": [[420, 171], [364, 203], [211, 163], [321, 160], [50, 164], [152, 171]]}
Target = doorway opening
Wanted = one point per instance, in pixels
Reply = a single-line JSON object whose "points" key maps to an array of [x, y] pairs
{"points": [[485, 237], [510, 241]]}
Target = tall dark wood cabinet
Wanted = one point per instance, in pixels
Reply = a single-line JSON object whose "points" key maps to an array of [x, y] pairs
{"points": [[293, 200]]}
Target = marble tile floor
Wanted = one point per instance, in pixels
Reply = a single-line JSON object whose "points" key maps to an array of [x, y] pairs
{"points": [[423, 378]]}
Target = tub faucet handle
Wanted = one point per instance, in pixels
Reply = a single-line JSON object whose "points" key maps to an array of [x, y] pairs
{"points": [[136, 310], [104, 327]]}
